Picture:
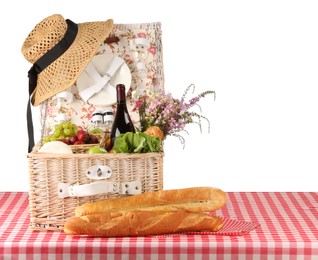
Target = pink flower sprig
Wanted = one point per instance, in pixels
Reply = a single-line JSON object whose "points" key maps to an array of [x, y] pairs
{"points": [[171, 115]]}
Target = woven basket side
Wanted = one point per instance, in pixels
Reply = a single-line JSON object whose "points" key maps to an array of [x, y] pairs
{"points": [[49, 212]]}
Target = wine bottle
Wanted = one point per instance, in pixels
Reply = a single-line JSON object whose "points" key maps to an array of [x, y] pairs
{"points": [[122, 122]]}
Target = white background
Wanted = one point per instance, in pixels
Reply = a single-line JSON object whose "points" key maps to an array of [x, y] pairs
{"points": [[261, 58]]}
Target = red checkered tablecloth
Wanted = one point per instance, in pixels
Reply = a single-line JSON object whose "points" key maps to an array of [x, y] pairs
{"points": [[279, 225]]}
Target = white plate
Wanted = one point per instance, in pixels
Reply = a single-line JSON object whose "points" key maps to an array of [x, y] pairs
{"points": [[105, 97]]}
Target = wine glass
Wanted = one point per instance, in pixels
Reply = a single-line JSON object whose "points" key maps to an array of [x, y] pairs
{"points": [[139, 47], [60, 101]]}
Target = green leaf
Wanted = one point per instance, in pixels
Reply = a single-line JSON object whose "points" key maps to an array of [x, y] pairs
{"points": [[120, 145], [139, 143], [136, 143]]}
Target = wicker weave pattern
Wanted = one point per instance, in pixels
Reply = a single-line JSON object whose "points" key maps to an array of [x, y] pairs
{"points": [[64, 71], [49, 212], [44, 37]]}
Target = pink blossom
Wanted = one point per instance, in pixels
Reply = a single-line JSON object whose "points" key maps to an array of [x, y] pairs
{"points": [[91, 109], [138, 105], [141, 35], [50, 110], [152, 49], [128, 59], [89, 116]]}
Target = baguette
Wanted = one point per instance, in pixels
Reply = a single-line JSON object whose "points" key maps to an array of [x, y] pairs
{"points": [[141, 223], [196, 199]]}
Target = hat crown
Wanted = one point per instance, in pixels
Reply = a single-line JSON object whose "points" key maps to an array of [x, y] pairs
{"points": [[44, 37]]}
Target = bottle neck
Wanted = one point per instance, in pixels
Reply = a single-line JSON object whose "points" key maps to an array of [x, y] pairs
{"points": [[121, 93]]}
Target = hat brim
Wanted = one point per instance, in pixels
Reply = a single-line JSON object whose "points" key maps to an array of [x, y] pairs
{"points": [[64, 71]]}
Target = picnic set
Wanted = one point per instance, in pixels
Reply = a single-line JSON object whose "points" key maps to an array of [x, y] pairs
{"points": [[97, 169]]}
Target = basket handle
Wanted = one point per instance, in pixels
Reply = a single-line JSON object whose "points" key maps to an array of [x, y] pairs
{"points": [[65, 190]]}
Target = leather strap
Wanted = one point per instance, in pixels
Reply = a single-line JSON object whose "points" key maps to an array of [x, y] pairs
{"points": [[65, 190]]}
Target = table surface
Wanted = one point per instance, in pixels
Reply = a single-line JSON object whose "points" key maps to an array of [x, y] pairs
{"points": [[287, 229]]}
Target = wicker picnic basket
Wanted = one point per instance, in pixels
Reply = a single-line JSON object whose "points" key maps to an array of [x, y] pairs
{"points": [[59, 183], [52, 175]]}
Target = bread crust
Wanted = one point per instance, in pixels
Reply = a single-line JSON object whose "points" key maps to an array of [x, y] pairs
{"points": [[155, 131], [196, 199], [141, 223]]}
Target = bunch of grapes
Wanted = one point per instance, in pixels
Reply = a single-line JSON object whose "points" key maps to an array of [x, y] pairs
{"points": [[68, 133], [61, 131]]}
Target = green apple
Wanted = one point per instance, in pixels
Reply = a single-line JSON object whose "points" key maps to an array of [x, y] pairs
{"points": [[96, 149], [96, 131]]}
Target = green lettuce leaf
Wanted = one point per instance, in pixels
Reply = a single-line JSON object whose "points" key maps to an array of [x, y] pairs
{"points": [[136, 143], [139, 143]]}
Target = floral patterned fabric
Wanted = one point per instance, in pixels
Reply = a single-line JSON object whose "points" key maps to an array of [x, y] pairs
{"points": [[118, 43]]}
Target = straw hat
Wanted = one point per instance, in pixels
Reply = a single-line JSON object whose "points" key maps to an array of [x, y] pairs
{"points": [[56, 67]]}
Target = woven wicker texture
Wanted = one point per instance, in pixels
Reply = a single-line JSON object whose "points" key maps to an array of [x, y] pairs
{"points": [[49, 212], [64, 71]]}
